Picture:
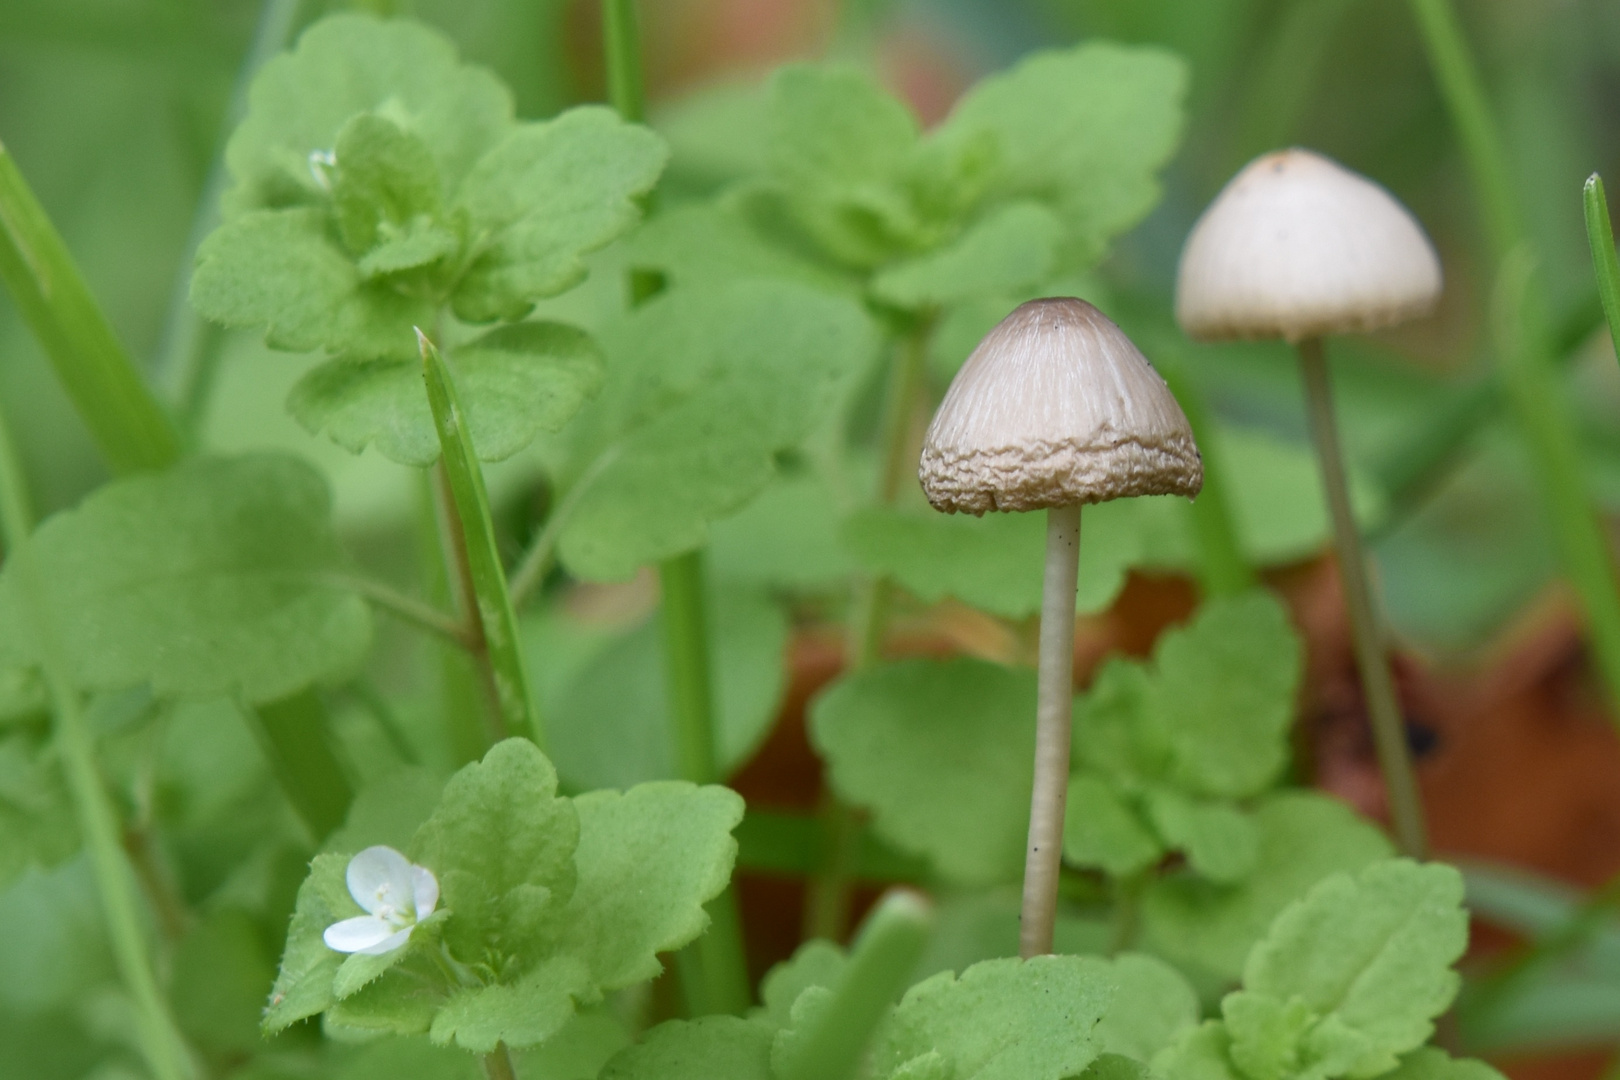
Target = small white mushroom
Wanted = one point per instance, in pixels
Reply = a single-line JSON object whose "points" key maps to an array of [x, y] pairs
{"points": [[1055, 409], [1296, 247]]}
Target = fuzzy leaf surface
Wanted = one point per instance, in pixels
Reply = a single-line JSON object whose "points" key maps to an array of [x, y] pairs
{"points": [[705, 385], [939, 752], [210, 578], [708, 1048], [515, 382]]}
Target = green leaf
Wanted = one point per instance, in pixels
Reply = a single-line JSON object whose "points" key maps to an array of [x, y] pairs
{"points": [[940, 753], [211, 578], [359, 970], [648, 859], [1008, 250], [841, 147], [993, 562], [705, 243], [304, 985], [388, 811], [37, 822], [1431, 1063], [1084, 130], [217, 982], [502, 846], [515, 381], [1002, 1020], [705, 386], [1102, 829], [1210, 716], [546, 196], [1276, 490], [708, 1048], [350, 64], [1219, 839], [402, 1002], [815, 963], [383, 183], [1201, 1053], [1151, 1006], [1352, 975], [1304, 837], [610, 726], [787, 537], [285, 271], [525, 1012]]}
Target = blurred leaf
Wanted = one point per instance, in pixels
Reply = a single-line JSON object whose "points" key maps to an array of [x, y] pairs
{"points": [[37, 822], [787, 537], [1002, 1020], [815, 963], [1085, 130], [205, 579], [1276, 491], [1152, 1004], [706, 243], [939, 752], [515, 382], [1219, 839], [388, 811], [705, 385], [1304, 837], [994, 562], [217, 989], [1102, 829], [1007, 250], [610, 727], [1432, 1063], [708, 1048], [716, 134]]}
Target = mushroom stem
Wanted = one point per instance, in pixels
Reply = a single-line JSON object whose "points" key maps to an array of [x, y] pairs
{"points": [[1377, 686], [1053, 711]]}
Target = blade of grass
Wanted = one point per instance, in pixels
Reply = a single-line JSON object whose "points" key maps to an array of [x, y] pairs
{"points": [[500, 651], [125, 420], [1524, 345], [880, 967], [1605, 264], [293, 733]]}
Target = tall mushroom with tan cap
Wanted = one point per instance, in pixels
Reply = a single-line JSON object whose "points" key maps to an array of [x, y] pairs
{"points": [[1297, 247], [1055, 409]]}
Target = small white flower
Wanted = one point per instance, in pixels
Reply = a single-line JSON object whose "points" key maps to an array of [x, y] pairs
{"points": [[396, 894], [321, 165]]}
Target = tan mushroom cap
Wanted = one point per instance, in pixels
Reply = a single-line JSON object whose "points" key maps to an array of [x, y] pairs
{"points": [[1056, 407], [1298, 246]]}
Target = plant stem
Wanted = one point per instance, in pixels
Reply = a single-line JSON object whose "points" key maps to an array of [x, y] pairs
{"points": [[123, 417], [1605, 264], [293, 732], [1525, 346], [16, 508], [160, 1042], [1127, 911], [621, 43], [536, 562], [714, 972], [881, 964], [1053, 724], [1377, 685], [463, 704], [188, 354], [1223, 568], [418, 613], [498, 1064], [479, 556]]}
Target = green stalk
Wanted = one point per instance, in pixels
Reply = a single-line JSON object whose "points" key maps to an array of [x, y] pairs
{"points": [[124, 418], [880, 967], [1372, 660], [621, 42], [293, 733], [459, 695], [713, 969], [501, 651], [498, 1064], [188, 355], [1223, 569], [160, 1042], [16, 509], [1525, 345], [1605, 264]]}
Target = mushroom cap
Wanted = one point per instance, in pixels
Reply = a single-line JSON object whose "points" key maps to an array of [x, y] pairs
{"points": [[1056, 407], [1298, 246]]}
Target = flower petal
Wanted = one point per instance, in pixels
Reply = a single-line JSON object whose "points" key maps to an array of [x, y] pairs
{"points": [[359, 934], [389, 943], [379, 875], [425, 891]]}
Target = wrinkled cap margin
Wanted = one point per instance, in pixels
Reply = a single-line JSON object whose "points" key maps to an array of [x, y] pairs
{"points": [[1056, 407], [1297, 246]]}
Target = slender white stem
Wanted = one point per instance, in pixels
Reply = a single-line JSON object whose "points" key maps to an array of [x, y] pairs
{"points": [[1052, 725]]}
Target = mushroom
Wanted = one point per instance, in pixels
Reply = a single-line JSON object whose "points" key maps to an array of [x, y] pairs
{"points": [[1055, 409], [1297, 247]]}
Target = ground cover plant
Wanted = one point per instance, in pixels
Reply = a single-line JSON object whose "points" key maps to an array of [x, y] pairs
{"points": [[384, 701]]}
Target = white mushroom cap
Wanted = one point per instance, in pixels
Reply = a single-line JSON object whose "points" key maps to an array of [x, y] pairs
{"points": [[1056, 407], [1298, 246]]}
